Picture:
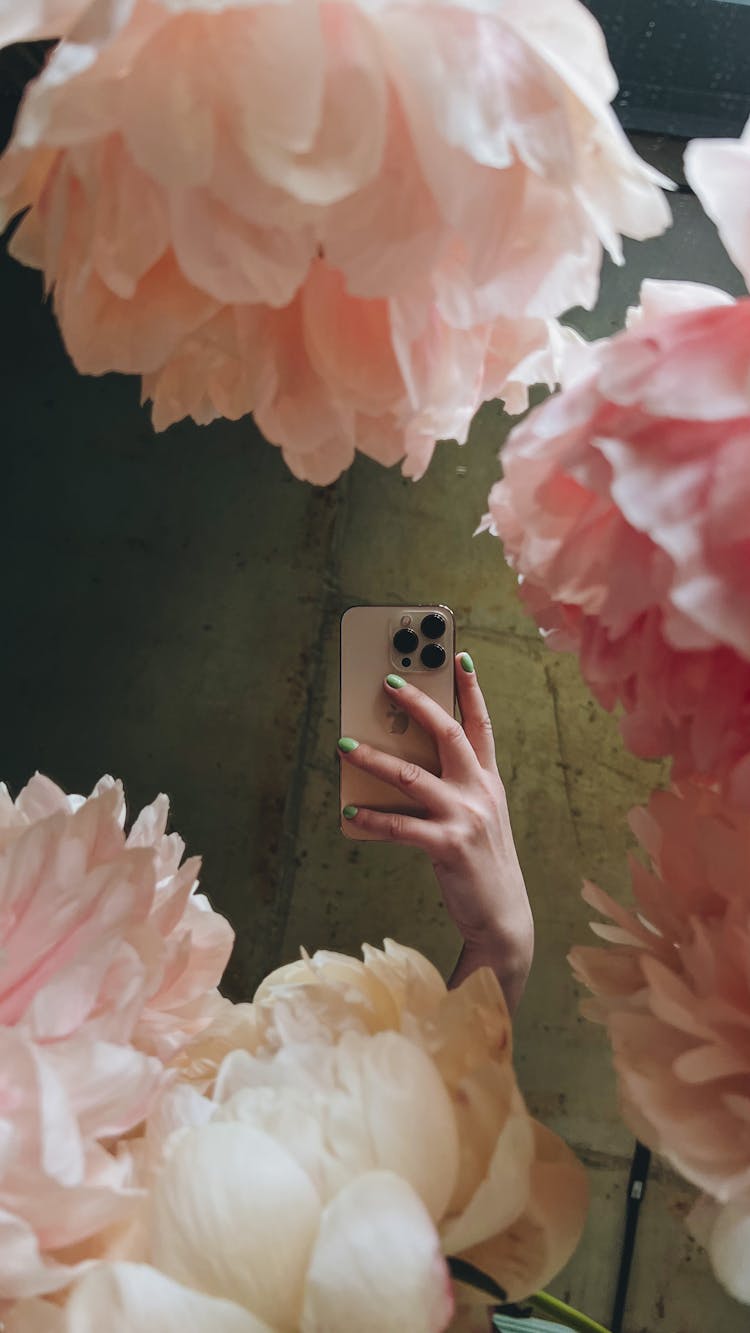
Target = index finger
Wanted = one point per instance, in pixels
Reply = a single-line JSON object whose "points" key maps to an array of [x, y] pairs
{"points": [[457, 758]]}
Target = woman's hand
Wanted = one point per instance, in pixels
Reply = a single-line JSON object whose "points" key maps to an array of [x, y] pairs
{"points": [[466, 830]]}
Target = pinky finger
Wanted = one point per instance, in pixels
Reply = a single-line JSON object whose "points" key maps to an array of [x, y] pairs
{"points": [[387, 826]]}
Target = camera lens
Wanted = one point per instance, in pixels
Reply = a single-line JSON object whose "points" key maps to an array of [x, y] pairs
{"points": [[432, 655], [433, 626], [405, 641]]}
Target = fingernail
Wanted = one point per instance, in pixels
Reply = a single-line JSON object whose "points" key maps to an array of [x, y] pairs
{"points": [[466, 662], [346, 744], [350, 811], [395, 682]]}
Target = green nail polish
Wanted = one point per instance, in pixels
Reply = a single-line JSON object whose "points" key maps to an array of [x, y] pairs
{"points": [[350, 811], [395, 682], [346, 744], [466, 662]]}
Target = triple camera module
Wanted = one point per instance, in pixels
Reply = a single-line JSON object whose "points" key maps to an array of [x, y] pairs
{"points": [[406, 642]]}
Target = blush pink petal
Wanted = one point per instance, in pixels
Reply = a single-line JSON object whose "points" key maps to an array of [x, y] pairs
{"points": [[24, 1270], [719, 172], [58, 1184], [660, 296], [234, 201]]}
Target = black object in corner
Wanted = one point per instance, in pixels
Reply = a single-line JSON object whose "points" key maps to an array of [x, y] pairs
{"points": [[636, 1191], [682, 64]]}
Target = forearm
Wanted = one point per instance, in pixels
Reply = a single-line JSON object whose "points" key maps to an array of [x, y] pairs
{"points": [[509, 955]]}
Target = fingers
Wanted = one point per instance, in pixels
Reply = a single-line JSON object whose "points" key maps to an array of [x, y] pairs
{"points": [[423, 787], [407, 830], [456, 756], [474, 714]]}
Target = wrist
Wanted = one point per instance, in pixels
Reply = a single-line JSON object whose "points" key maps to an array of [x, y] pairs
{"points": [[509, 938], [507, 948]]}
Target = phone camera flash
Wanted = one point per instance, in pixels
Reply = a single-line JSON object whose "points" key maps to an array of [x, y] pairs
{"points": [[405, 620]]}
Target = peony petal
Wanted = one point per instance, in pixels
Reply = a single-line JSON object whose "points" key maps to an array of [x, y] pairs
{"points": [[35, 1316], [104, 332], [470, 1028], [24, 1271], [169, 123], [412, 980], [719, 172], [539, 1243], [482, 1101], [233, 260], [131, 221], [37, 19], [389, 231], [705, 1063], [410, 1119], [348, 145], [658, 297], [349, 343], [331, 985], [270, 128], [368, 1102], [235, 1216], [503, 1193], [124, 1297], [728, 1248], [76, 97], [321, 465], [110, 1088], [377, 1265]]}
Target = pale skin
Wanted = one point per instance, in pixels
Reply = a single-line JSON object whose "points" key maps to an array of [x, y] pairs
{"points": [[465, 831]]}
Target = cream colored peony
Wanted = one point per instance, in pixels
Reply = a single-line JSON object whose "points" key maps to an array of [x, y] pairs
{"points": [[375, 1128], [355, 220]]}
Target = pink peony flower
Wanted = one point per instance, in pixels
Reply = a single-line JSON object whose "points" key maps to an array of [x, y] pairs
{"points": [[625, 509], [353, 220], [674, 992], [108, 964], [100, 928], [719, 172]]}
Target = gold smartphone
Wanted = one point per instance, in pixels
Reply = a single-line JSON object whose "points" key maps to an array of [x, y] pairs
{"points": [[417, 643]]}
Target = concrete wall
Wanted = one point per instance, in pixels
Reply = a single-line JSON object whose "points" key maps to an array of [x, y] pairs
{"points": [[170, 610]]}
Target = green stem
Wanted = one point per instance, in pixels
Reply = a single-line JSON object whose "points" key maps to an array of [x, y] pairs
{"points": [[565, 1314]]}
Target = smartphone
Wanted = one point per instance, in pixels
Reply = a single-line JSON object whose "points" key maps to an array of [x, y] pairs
{"points": [[416, 642]]}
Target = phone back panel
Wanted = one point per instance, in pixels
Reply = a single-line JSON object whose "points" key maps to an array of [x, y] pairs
{"points": [[367, 714]]}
